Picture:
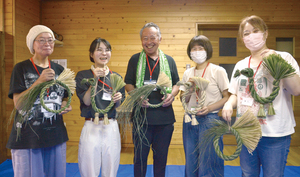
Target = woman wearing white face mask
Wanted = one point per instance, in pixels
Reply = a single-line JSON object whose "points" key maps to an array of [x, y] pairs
{"points": [[200, 51], [272, 150]]}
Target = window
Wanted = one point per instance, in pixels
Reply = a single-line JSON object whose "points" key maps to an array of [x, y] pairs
{"points": [[227, 47], [285, 44]]}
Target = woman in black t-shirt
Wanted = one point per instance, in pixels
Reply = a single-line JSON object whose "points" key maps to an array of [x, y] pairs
{"points": [[41, 146], [100, 144]]}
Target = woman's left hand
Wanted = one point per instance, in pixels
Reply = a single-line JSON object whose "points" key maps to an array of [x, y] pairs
{"points": [[68, 109], [168, 101], [117, 97], [204, 111]]}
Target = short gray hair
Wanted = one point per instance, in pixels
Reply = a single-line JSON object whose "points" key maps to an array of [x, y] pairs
{"points": [[149, 25]]}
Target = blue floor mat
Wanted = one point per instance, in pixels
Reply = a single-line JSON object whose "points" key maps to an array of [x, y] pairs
{"points": [[6, 170]]}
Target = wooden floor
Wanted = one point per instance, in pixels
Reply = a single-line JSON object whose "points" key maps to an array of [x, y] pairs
{"points": [[176, 156]]}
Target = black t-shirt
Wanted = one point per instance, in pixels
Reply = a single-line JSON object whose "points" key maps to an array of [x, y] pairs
{"points": [[87, 111], [42, 129], [160, 115]]}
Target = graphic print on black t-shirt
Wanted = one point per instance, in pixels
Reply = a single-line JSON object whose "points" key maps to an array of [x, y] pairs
{"points": [[41, 129], [53, 99]]}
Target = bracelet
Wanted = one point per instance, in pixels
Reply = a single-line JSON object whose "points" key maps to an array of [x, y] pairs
{"points": [[173, 96]]}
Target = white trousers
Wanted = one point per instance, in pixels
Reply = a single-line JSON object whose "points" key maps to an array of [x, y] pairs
{"points": [[48, 162], [99, 147]]}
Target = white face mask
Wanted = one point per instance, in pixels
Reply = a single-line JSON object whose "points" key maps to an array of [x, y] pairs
{"points": [[199, 57], [254, 41]]}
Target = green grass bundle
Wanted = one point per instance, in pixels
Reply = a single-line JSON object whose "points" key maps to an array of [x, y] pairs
{"points": [[116, 83], [131, 109], [278, 69], [66, 79], [138, 95]]}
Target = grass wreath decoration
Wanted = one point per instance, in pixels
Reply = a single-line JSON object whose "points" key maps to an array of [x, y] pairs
{"points": [[201, 84], [130, 110], [116, 83], [44, 92], [66, 79], [278, 69], [238, 140], [246, 130], [137, 96]]}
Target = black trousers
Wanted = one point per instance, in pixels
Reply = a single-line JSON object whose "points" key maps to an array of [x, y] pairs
{"points": [[158, 137]]}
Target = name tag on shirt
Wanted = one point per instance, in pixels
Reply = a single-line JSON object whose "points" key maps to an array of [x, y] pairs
{"points": [[49, 105], [149, 82], [106, 96], [247, 101]]}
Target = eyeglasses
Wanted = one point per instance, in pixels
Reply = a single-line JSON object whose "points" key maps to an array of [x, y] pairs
{"points": [[43, 41], [152, 38], [103, 50]]}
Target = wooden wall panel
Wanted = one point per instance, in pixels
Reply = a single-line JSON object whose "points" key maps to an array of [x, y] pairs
{"points": [[120, 21], [20, 16], [27, 15], [8, 65], [3, 156]]}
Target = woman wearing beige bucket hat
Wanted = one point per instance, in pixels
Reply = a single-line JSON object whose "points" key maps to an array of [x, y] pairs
{"points": [[38, 144]]}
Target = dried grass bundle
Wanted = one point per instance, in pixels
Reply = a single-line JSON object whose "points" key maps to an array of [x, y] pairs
{"points": [[66, 79], [200, 84], [246, 129]]}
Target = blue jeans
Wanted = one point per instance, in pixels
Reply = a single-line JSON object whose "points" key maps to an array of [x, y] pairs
{"points": [[271, 153], [209, 164], [50, 161]]}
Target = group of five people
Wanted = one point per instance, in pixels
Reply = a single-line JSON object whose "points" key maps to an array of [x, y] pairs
{"points": [[41, 150]]}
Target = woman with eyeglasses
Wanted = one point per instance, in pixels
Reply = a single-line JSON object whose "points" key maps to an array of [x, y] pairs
{"points": [[100, 144], [41, 147], [272, 150]]}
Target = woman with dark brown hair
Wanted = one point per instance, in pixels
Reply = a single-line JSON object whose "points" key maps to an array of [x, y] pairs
{"points": [[203, 163], [100, 144]]}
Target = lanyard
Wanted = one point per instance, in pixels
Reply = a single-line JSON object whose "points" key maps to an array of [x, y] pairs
{"points": [[36, 67], [103, 82], [257, 66], [39, 72], [255, 71], [203, 71], [197, 90], [151, 71]]}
